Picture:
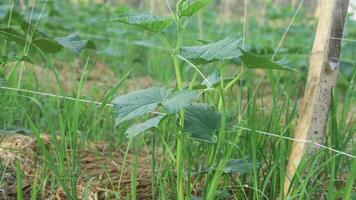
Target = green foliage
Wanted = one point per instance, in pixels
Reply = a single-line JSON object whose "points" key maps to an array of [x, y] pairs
{"points": [[214, 79], [254, 61], [138, 103], [142, 102], [225, 49], [137, 129], [187, 8], [233, 166], [179, 100], [2, 81], [202, 122], [9, 59], [145, 21], [40, 41], [75, 43]]}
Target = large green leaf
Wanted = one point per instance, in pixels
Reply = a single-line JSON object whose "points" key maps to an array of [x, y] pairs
{"points": [[145, 21], [137, 129], [226, 49], [75, 43], [202, 122], [255, 61], [179, 100], [187, 8], [138, 103]]}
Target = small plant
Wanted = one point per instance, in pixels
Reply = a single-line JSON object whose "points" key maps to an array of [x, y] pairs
{"points": [[201, 122]]}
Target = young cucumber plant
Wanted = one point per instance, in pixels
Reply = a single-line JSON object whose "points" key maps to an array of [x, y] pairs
{"points": [[200, 121]]}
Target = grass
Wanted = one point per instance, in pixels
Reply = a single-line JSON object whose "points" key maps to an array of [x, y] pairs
{"points": [[175, 159]]}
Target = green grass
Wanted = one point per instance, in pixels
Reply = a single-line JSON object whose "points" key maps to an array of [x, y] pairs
{"points": [[174, 156]]}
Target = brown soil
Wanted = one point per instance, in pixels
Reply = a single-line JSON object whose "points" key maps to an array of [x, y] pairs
{"points": [[100, 170]]}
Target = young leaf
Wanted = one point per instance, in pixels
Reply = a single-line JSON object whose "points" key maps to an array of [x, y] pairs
{"points": [[138, 103], [202, 122], [75, 43], [145, 21], [137, 129], [188, 8], [254, 61], [225, 49], [41, 40]]}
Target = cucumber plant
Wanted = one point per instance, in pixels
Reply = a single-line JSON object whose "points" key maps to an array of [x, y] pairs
{"points": [[199, 121]]}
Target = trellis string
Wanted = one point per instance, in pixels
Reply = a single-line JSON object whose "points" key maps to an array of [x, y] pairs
{"points": [[238, 127]]}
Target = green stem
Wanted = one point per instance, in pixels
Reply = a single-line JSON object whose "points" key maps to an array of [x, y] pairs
{"points": [[211, 190], [179, 160]]}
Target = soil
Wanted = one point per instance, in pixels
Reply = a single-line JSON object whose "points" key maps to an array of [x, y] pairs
{"points": [[100, 169]]}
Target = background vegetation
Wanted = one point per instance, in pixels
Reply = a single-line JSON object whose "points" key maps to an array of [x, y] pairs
{"points": [[112, 59]]}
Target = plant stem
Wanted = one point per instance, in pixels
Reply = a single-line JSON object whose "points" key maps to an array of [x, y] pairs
{"points": [[179, 159], [211, 187]]}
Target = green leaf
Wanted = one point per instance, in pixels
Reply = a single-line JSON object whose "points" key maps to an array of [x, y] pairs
{"points": [[145, 21], [8, 59], [179, 100], [139, 103], [75, 43], [226, 49], [137, 129], [40, 39], [254, 61], [12, 34], [188, 8], [240, 166], [202, 122]]}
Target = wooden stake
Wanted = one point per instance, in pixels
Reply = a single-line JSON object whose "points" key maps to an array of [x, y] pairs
{"points": [[322, 75]]}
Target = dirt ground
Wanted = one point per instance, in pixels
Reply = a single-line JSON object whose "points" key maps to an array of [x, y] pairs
{"points": [[100, 169]]}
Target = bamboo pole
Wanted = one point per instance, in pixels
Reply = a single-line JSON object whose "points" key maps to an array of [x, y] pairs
{"points": [[322, 75]]}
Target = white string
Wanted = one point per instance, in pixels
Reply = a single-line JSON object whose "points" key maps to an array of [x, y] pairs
{"points": [[297, 140], [275, 53], [343, 39], [56, 96], [239, 127], [209, 84], [287, 29]]}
